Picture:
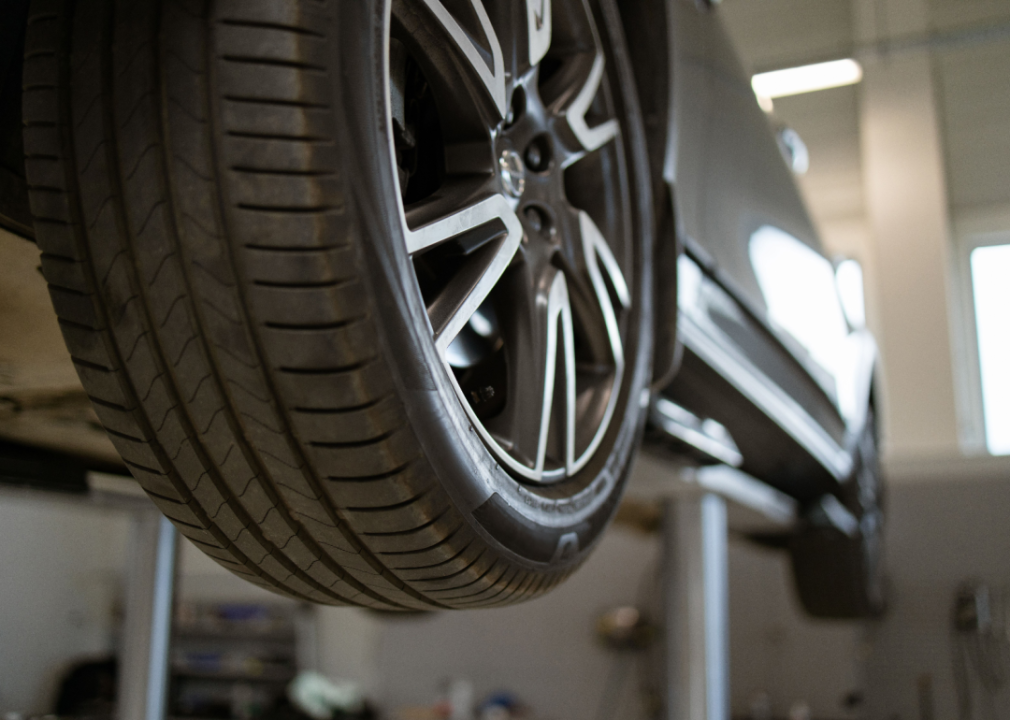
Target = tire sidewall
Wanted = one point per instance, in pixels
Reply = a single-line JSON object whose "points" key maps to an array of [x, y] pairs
{"points": [[464, 466]]}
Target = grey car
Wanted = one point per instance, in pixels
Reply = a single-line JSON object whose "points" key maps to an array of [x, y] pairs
{"points": [[376, 298]]}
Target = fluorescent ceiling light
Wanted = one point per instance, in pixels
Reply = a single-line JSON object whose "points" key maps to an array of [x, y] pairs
{"points": [[807, 78], [766, 104]]}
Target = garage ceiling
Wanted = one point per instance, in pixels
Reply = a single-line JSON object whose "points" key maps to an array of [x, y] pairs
{"points": [[970, 43], [779, 33], [973, 83]]}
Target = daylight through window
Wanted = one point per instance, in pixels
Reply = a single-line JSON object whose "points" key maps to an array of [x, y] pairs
{"points": [[990, 277]]}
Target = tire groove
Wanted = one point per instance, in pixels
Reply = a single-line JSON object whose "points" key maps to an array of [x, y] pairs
{"points": [[335, 325], [274, 62], [276, 136], [372, 478], [283, 172], [388, 508], [270, 26], [323, 284], [338, 370], [333, 445], [287, 209], [276, 101], [469, 584], [346, 410], [411, 531], [140, 159], [438, 564], [456, 574]]}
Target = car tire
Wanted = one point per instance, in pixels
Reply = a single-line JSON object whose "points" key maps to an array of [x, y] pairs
{"points": [[839, 574], [239, 253]]}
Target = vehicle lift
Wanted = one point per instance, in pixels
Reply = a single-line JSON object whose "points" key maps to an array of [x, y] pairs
{"points": [[698, 504]]}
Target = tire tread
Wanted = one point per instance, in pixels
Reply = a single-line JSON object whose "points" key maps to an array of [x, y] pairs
{"points": [[192, 214]]}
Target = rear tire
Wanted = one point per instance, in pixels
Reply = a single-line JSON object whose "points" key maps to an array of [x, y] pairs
{"points": [[215, 201], [839, 575]]}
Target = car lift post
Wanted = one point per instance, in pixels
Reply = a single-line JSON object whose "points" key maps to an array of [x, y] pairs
{"points": [[144, 655], [696, 584], [150, 579], [696, 608]]}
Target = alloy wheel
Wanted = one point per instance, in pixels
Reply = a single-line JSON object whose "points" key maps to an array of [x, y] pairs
{"points": [[515, 210]]}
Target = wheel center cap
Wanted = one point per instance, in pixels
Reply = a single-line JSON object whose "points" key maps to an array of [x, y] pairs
{"points": [[513, 174]]}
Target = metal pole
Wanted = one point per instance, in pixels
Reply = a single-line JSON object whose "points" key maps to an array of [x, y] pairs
{"points": [[161, 622], [696, 606], [144, 665]]}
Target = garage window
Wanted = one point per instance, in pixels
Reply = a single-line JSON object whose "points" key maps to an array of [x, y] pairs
{"points": [[990, 282]]}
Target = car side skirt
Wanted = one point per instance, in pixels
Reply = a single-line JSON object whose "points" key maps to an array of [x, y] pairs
{"points": [[738, 371]]}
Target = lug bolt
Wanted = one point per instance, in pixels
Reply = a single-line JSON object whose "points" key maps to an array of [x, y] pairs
{"points": [[513, 176], [515, 110], [537, 156], [537, 220]]}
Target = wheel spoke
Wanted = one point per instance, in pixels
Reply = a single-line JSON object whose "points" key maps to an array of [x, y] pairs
{"points": [[538, 424], [490, 231], [492, 78], [590, 138], [470, 218], [602, 267], [597, 252], [559, 310], [538, 13]]}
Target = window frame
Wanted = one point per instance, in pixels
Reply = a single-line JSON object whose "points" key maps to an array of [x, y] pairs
{"points": [[967, 362]]}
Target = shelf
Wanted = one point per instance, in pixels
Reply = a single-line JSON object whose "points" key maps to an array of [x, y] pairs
{"points": [[217, 646], [266, 677], [233, 634]]}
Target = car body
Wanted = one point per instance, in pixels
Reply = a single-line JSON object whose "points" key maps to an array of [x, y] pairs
{"points": [[750, 353]]}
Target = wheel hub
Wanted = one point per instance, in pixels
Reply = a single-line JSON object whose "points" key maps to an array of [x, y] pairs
{"points": [[530, 137], [513, 175]]}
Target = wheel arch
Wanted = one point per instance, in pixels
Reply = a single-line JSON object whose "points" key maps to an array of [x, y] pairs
{"points": [[646, 24]]}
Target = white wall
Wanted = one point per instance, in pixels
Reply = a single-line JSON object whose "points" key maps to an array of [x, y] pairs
{"points": [[939, 535], [348, 646], [60, 575], [908, 216], [777, 650], [544, 651]]}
